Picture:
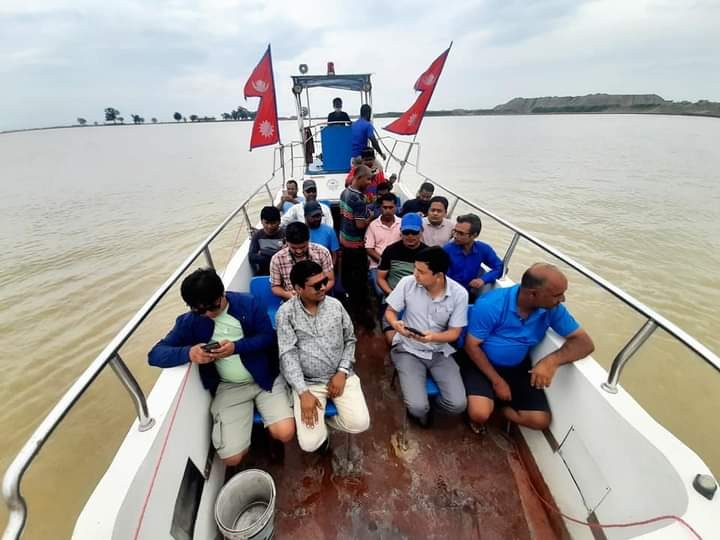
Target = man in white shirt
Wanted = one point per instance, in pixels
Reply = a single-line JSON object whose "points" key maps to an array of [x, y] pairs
{"points": [[437, 228], [297, 212]]}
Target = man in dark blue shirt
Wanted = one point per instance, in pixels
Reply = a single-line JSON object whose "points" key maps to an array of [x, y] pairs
{"points": [[467, 256], [338, 116], [362, 132], [504, 325]]}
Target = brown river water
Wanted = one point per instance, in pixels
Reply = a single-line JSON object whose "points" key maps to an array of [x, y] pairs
{"points": [[93, 220]]}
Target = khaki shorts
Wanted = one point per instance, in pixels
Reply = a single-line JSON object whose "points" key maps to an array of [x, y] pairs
{"points": [[233, 409]]}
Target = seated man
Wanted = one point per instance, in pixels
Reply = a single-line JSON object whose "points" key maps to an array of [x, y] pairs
{"points": [[297, 212], [289, 196], [421, 203], [317, 352], [231, 339], [437, 228], [505, 324], [320, 233], [398, 259], [467, 256], [380, 234], [266, 242], [435, 312], [338, 116], [297, 248]]}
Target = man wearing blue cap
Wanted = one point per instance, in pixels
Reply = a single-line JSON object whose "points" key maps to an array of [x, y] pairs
{"points": [[398, 259]]}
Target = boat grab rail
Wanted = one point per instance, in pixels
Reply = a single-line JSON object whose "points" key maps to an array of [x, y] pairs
{"points": [[15, 502], [653, 319]]}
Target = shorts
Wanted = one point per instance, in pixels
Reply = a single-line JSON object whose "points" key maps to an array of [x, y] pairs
{"points": [[233, 409], [524, 396]]}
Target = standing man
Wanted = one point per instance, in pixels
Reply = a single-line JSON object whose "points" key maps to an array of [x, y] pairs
{"points": [[297, 212], [467, 256], [240, 369], [355, 218], [421, 203], [505, 324], [380, 234], [297, 248], [317, 352], [267, 241], [362, 132], [437, 228], [435, 312], [338, 116], [320, 233]]}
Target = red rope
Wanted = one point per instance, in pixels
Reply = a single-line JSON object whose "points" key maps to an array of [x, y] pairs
{"points": [[554, 508], [160, 456]]}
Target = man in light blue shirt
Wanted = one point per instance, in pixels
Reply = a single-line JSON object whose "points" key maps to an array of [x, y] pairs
{"points": [[505, 324], [434, 313], [319, 232]]}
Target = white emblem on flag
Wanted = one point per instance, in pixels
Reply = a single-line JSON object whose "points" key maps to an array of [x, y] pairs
{"points": [[429, 79], [412, 119], [260, 86], [266, 129]]}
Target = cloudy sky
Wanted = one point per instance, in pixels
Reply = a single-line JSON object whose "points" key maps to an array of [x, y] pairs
{"points": [[60, 59]]}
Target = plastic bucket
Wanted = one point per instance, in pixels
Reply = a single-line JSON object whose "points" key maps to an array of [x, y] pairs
{"points": [[245, 506]]}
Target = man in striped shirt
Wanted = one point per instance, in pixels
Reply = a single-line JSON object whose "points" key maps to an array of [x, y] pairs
{"points": [[355, 217]]}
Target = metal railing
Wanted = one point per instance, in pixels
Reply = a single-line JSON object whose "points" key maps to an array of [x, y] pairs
{"points": [[12, 479], [653, 320]]}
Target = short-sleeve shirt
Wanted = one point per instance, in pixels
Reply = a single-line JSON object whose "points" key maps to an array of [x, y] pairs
{"points": [[413, 206], [506, 337], [231, 369], [283, 261], [425, 313], [361, 131], [353, 205], [325, 236], [437, 235], [338, 116], [379, 236], [399, 261]]}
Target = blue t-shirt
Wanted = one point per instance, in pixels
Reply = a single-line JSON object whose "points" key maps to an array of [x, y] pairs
{"points": [[506, 338], [325, 236], [464, 267], [361, 131]]}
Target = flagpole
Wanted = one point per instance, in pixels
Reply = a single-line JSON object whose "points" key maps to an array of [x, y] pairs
{"points": [[407, 155]]}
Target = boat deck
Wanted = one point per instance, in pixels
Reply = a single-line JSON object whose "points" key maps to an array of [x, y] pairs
{"points": [[448, 483]]}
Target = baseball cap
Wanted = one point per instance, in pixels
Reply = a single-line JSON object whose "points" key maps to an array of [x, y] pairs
{"points": [[312, 207], [307, 184], [411, 222]]}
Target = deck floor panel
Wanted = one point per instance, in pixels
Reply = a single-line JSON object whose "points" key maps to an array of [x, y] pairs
{"points": [[450, 483]]}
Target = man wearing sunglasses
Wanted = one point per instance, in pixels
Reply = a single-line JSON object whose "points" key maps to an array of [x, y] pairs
{"points": [[297, 212], [468, 255], [229, 336], [316, 342]]}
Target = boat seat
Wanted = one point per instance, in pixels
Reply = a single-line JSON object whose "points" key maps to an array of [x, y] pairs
{"points": [[261, 290], [330, 410]]}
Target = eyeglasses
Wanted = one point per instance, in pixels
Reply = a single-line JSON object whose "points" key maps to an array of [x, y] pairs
{"points": [[408, 232], [311, 190], [320, 284], [201, 310], [460, 233]]}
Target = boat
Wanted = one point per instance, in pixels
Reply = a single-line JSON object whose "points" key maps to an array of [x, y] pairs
{"points": [[603, 469]]}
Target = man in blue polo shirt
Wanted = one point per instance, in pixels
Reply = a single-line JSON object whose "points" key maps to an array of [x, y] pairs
{"points": [[467, 256], [505, 324], [362, 131]]}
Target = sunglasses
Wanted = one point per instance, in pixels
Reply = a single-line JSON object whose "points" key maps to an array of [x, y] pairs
{"points": [[320, 284], [311, 190], [408, 232], [202, 310]]}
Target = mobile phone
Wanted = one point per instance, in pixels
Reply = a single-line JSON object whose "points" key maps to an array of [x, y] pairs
{"points": [[414, 331], [209, 347]]}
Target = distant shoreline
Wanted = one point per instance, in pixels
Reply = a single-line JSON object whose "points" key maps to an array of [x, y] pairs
{"points": [[456, 113]]}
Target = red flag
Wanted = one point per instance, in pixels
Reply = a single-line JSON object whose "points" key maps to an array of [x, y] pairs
{"points": [[409, 122], [261, 84]]}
